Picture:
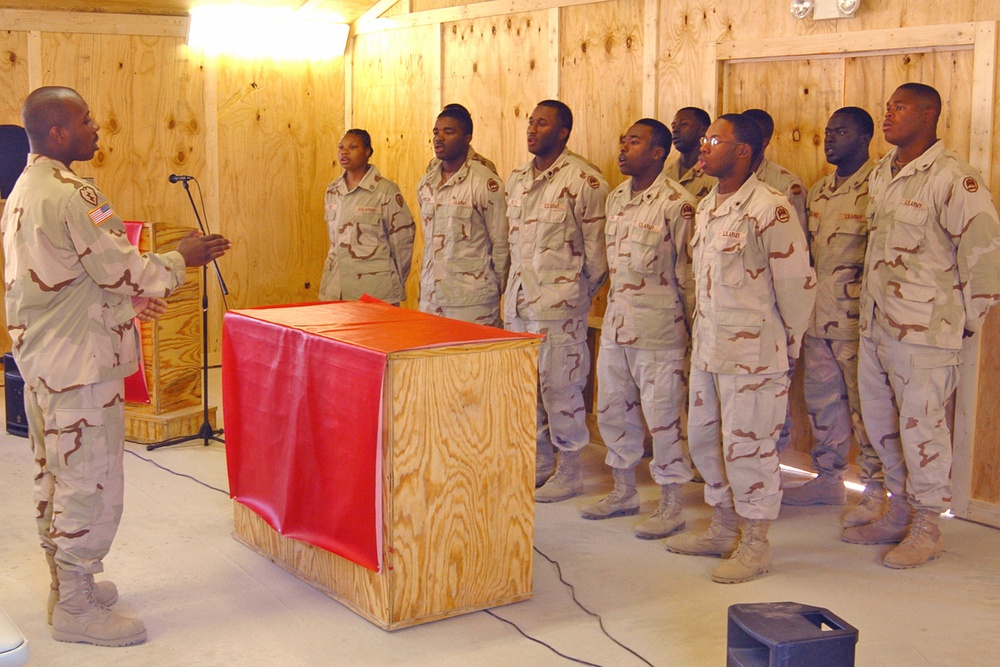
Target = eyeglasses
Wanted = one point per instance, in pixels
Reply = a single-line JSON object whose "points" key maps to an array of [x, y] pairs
{"points": [[715, 141]]}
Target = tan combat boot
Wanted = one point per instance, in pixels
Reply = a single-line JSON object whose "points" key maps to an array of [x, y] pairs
{"points": [[545, 461], [922, 543], [872, 506], [622, 501], [566, 483], [890, 528], [720, 539], [752, 557], [105, 592], [668, 517], [826, 488], [77, 618]]}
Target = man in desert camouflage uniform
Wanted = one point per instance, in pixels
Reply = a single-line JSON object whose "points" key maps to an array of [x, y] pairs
{"points": [[642, 365], [793, 188], [754, 294], [555, 205], [688, 127], [370, 227], [464, 211], [74, 285], [932, 272], [838, 232]]}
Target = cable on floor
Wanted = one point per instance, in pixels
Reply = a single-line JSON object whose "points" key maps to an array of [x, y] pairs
{"points": [[179, 474], [600, 621], [539, 641]]}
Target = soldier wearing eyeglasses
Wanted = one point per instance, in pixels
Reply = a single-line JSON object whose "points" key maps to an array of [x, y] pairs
{"points": [[754, 292]]}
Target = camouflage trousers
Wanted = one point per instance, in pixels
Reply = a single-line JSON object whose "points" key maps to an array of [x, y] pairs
{"points": [[733, 425], [831, 392], [78, 440], [635, 384], [905, 390], [563, 367], [482, 313]]}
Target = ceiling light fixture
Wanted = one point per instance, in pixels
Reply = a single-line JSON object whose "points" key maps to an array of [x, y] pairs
{"points": [[247, 31]]}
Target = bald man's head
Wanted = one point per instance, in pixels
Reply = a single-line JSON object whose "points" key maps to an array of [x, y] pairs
{"points": [[58, 123]]}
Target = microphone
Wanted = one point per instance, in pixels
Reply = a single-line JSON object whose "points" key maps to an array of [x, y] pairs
{"points": [[176, 178]]}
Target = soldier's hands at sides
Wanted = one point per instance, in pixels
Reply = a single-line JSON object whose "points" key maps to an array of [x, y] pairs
{"points": [[198, 249], [148, 308]]}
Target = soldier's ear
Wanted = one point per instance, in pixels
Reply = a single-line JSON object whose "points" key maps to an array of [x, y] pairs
{"points": [[659, 154]]}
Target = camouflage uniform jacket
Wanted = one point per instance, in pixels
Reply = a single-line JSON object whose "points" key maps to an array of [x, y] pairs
{"points": [[694, 179], [838, 233], [651, 297], [466, 256], [787, 184], [558, 257], [754, 285], [371, 240], [933, 261], [70, 275], [472, 157]]}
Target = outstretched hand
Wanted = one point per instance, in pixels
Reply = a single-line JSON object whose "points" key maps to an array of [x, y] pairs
{"points": [[148, 308], [198, 249]]}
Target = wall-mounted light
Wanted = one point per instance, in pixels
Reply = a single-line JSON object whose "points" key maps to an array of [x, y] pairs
{"points": [[824, 9], [249, 31]]}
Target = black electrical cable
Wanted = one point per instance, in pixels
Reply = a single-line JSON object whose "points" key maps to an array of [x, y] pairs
{"points": [[600, 621], [179, 474], [539, 641]]}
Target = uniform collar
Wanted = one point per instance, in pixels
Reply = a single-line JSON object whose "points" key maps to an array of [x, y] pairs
{"points": [[920, 163], [737, 200], [368, 182], [852, 183], [649, 194], [456, 178], [38, 158]]}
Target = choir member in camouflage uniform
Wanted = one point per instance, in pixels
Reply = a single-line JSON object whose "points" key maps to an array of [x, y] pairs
{"points": [[754, 292], [838, 233], [642, 366], [464, 213], [74, 284], [688, 127], [932, 272], [555, 206], [370, 226]]}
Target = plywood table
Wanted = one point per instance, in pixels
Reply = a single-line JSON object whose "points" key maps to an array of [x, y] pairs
{"points": [[383, 455]]}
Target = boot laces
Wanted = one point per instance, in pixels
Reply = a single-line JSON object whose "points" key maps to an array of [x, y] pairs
{"points": [[873, 497]]}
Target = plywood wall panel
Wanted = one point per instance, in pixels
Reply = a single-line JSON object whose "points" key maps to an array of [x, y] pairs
{"points": [[395, 99], [278, 127], [496, 68], [600, 77], [13, 75]]}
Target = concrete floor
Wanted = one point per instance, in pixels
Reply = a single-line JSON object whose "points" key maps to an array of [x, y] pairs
{"points": [[208, 600]]}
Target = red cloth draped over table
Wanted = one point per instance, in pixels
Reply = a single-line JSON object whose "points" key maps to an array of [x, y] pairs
{"points": [[136, 389], [302, 391]]}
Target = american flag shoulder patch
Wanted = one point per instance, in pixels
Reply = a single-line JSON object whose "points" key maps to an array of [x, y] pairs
{"points": [[101, 213]]}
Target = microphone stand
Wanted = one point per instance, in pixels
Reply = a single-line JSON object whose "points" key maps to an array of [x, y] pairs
{"points": [[205, 432]]}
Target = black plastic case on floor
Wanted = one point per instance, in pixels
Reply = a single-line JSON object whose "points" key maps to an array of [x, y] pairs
{"points": [[788, 634], [13, 383]]}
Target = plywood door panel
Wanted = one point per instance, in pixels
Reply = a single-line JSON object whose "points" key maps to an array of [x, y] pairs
{"points": [[871, 80], [800, 95]]}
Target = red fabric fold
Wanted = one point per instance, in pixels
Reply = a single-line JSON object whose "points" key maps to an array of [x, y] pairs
{"points": [[136, 389]]}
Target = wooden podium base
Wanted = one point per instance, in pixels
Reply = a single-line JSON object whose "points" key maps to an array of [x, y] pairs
{"points": [[150, 428], [371, 595]]}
